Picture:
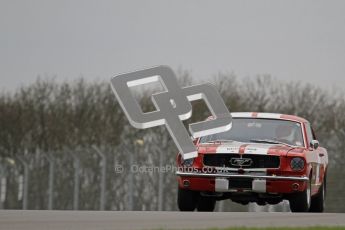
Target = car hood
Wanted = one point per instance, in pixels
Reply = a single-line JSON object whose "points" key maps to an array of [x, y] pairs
{"points": [[242, 147]]}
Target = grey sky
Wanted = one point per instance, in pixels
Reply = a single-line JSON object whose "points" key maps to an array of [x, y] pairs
{"points": [[98, 39]]}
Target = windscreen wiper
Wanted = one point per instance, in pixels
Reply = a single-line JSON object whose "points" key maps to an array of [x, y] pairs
{"points": [[268, 141]]}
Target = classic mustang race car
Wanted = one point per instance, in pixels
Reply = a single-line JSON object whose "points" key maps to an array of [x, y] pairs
{"points": [[264, 158]]}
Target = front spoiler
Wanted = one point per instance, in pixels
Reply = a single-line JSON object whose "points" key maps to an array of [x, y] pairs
{"points": [[250, 176]]}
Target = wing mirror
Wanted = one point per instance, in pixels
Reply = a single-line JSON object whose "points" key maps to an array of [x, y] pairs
{"points": [[314, 144]]}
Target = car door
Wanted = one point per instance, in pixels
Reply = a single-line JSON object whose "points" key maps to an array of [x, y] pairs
{"points": [[316, 158], [323, 159]]}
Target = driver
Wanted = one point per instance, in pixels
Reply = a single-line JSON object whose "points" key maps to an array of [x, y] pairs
{"points": [[285, 133]]}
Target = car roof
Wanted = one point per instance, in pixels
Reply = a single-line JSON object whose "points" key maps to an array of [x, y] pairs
{"points": [[268, 116]]}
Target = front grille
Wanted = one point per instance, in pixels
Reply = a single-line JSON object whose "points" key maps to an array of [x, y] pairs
{"points": [[232, 160]]}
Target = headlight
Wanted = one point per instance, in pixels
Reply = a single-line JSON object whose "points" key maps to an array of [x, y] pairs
{"points": [[188, 162], [297, 164]]}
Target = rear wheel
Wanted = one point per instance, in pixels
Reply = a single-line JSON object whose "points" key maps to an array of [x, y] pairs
{"points": [[318, 201], [187, 200], [206, 204], [300, 202]]}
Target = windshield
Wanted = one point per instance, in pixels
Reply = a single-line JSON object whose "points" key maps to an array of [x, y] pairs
{"points": [[260, 130]]}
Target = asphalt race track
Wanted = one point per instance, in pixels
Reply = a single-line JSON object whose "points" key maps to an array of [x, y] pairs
{"points": [[85, 220]]}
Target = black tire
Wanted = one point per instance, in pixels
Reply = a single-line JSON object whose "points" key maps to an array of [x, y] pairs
{"points": [[206, 204], [300, 202], [318, 201], [187, 200]]}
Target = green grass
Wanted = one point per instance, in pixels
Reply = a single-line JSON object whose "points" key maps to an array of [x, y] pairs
{"points": [[276, 228], [282, 228]]}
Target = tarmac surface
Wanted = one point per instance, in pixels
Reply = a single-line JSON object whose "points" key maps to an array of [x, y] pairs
{"points": [[85, 220]]}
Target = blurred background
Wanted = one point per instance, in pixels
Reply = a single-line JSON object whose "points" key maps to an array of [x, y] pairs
{"points": [[66, 144], [69, 145]]}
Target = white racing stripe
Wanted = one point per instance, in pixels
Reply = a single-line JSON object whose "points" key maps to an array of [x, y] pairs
{"points": [[259, 186], [258, 115], [269, 115], [257, 149], [221, 185], [229, 148], [241, 114]]}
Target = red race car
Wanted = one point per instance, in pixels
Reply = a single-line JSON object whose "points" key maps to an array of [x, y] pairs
{"points": [[264, 158]]}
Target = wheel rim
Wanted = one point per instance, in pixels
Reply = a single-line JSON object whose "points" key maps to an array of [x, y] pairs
{"points": [[308, 194], [323, 195]]}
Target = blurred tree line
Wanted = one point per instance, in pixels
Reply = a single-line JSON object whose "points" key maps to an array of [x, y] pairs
{"points": [[69, 122]]}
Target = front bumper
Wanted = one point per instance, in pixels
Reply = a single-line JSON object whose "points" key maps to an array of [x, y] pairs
{"points": [[221, 182], [248, 176]]}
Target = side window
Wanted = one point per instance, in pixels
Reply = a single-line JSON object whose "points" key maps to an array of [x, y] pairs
{"points": [[310, 134]]}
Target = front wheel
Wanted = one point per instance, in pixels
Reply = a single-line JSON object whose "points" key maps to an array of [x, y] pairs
{"points": [[187, 200], [300, 202], [318, 201]]}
